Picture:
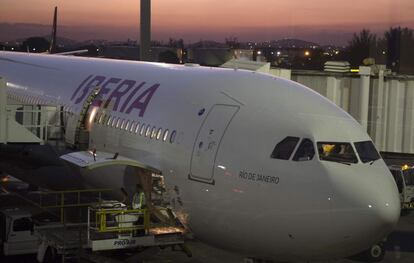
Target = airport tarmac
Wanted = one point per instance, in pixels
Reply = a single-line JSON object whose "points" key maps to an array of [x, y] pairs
{"points": [[400, 244]]}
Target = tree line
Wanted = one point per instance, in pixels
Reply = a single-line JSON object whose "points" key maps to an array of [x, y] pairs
{"points": [[394, 49]]}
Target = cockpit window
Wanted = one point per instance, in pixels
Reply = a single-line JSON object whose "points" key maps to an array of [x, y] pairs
{"points": [[337, 152], [285, 148], [305, 152], [367, 151]]}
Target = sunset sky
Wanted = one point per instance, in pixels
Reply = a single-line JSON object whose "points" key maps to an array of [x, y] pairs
{"points": [[214, 19]]}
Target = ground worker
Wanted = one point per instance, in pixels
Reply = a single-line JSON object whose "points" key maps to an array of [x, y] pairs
{"points": [[139, 201]]}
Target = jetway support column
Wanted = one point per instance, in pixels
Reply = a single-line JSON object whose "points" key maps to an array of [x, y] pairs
{"points": [[365, 73], [332, 90], [408, 132], [395, 118], [3, 111], [379, 112]]}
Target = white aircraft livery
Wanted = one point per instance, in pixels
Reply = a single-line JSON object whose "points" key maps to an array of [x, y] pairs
{"points": [[258, 164]]}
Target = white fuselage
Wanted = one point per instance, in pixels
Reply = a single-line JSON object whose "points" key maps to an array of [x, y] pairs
{"points": [[217, 164]]}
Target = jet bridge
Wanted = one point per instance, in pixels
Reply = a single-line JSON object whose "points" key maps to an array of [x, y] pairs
{"points": [[23, 123]]}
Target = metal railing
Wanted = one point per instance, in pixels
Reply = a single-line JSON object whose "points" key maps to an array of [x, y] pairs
{"points": [[70, 198], [118, 220]]}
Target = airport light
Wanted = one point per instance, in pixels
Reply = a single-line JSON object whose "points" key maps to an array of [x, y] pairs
{"points": [[5, 179], [307, 53], [259, 52]]}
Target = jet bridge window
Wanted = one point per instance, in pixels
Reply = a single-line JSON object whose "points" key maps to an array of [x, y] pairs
{"points": [[340, 152], [284, 149], [367, 151], [305, 152]]}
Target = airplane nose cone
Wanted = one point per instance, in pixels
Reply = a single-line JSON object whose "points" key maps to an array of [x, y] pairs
{"points": [[385, 216], [390, 214], [368, 213], [386, 203]]}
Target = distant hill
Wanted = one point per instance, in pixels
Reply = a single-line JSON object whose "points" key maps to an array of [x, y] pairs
{"points": [[207, 44], [67, 35], [21, 31], [293, 43]]}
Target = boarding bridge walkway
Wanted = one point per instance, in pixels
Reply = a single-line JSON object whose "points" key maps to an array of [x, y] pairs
{"points": [[27, 124]]}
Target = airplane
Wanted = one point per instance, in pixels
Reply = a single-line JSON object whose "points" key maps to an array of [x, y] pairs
{"points": [[259, 165]]}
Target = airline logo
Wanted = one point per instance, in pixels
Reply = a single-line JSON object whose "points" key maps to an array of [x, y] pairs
{"points": [[124, 94]]}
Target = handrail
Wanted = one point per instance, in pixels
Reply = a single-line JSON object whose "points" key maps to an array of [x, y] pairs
{"points": [[121, 225], [61, 203]]}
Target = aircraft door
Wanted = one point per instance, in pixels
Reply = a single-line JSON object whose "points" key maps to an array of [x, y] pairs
{"points": [[77, 125], [208, 142]]}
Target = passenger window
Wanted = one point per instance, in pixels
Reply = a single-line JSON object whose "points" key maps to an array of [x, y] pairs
{"points": [[148, 132], [127, 126], [305, 152], [164, 138], [132, 127], [153, 132], [137, 128], [109, 121], [173, 135], [337, 152], [101, 118], [159, 133], [284, 149], [142, 129], [122, 124]]}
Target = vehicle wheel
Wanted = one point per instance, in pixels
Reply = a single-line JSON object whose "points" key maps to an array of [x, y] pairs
{"points": [[50, 255], [376, 253]]}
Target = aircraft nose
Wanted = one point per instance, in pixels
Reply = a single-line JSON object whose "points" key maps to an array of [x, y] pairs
{"points": [[385, 214], [365, 208], [386, 201]]}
